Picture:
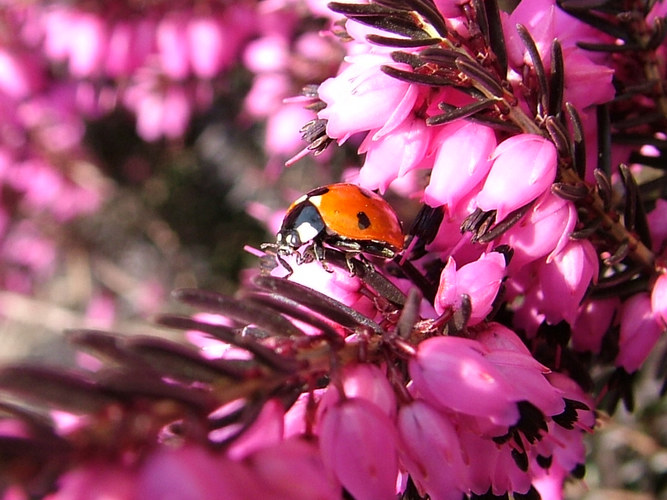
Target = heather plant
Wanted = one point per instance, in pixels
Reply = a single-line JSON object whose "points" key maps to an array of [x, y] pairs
{"points": [[527, 299]]}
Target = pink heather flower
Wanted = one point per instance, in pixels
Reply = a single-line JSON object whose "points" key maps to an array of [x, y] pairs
{"points": [[266, 430], [586, 83], [364, 381], [207, 41], [564, 280], [192, 472], [593, 320], [347, 289], [106, 480], [363, 98], [462, 160], [282, 129], [480, 280], [659, 299], [20, 74], [292, 469], [639, 332], [431, 451], [267, 54], [452, 374], [393, 155], [450, 8], [544, 230], [516, 362], [172, 46], [358, 444], [524, 166], [657, 222]]}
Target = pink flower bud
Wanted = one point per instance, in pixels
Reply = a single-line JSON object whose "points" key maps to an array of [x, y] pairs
{"points": [[359, 447], [639, 332], [462, 161], [393, 155], [593, 320], [432, 451], [524, 166], [363, 98], [544, 230], [565, 279], [452, 373], [659, 299], [480, 280]]}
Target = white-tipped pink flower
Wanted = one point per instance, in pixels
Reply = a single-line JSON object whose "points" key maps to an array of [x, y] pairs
{"points": [[524, 167], [639, 332], [462, 160], [363, 98], [480, 280], [452, 373], [359, 447]]}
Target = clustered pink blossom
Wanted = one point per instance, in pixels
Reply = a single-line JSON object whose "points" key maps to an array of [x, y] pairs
{"points": [[460, 368]]}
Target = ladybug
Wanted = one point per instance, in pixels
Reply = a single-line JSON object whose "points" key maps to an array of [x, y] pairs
{"points": [[344, 216]]}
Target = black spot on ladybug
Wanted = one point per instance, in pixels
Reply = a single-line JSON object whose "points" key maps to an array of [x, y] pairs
{"points": [[319, 191], [363, 220]]}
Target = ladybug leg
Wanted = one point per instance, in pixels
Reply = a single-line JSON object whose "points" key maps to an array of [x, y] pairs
{"points": [[318, 252], [285, 265]]}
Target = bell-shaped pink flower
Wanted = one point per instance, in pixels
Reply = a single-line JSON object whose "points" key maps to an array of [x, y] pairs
{"points": [[565, 279], [639, 332], [432, 452], [363, 98], [544, 230], [524, 167], [359, 447], [594, 318], [480, 280], [452, 373], [393, 155], [461, 162], [659, 299]]}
